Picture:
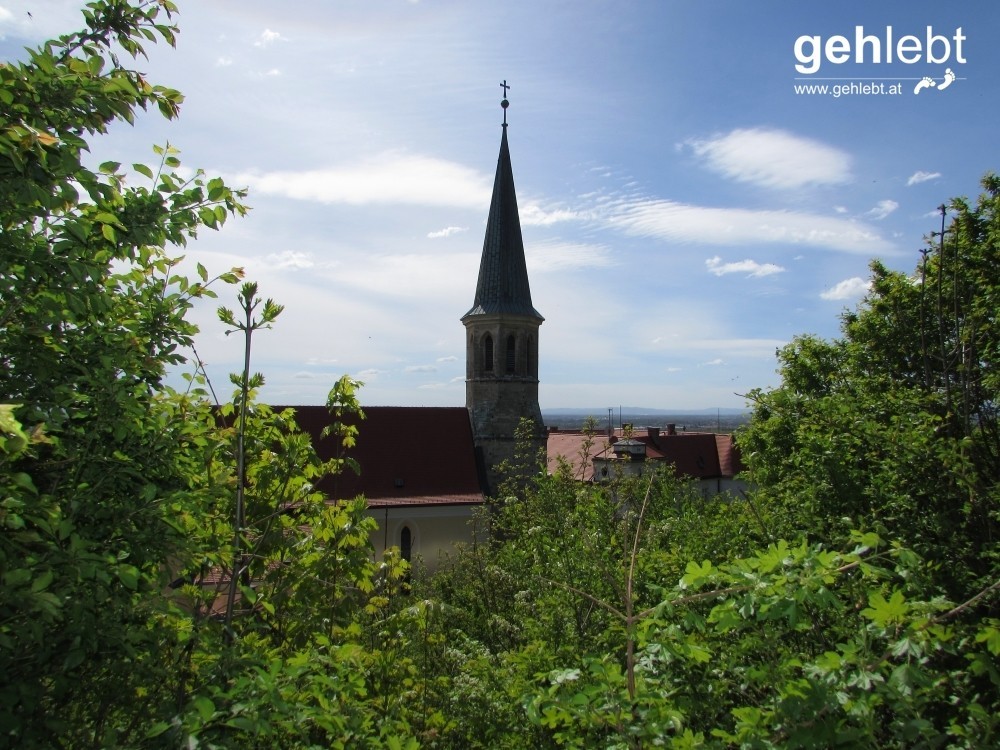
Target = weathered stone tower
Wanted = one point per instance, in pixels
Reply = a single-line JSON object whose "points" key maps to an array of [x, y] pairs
{"points": [[501, 355]]}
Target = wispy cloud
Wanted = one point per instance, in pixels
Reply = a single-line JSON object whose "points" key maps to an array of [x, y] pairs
{"points": [[882, 209], [679, 222], [773, 158], [419, 368], [852, 288], [921, 176], [748, 266], [223, 62], [446, 232], [387, 178], [564, 256], [288, 259]]}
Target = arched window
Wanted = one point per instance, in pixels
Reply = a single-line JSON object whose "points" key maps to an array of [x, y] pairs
{"points": [[406, 543], [511, 350], [487, 353]]}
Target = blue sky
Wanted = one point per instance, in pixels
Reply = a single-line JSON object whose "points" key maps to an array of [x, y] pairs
{"points": [[685, 211]]}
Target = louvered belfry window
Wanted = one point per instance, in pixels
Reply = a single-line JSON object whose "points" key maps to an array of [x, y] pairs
{"points": [[488, 353]]}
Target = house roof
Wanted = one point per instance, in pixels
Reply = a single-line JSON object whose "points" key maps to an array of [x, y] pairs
{"points": [[503, 274], [695, 455], [408, 456]]}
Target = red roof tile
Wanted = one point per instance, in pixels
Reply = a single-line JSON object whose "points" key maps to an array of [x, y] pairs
{"points": [[408, 455]]}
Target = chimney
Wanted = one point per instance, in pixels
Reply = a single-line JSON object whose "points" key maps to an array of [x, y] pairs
{"points": [[653, 433], [671, 429]]}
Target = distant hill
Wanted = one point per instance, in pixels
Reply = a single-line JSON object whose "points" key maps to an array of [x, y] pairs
{"points": [[627, 410], [685, 420]]}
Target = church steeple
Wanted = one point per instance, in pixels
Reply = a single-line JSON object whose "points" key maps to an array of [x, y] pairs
{"points": [[503, 274], [502, 332]]}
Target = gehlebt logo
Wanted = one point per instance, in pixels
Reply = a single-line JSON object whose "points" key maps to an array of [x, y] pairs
{"points": [[818, 57]]}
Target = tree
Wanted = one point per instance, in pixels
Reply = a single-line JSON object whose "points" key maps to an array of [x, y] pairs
{"points": [[894, 426], [92, 312]]}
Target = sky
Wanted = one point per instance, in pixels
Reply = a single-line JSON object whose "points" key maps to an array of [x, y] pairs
{"points": [[691, 198]]}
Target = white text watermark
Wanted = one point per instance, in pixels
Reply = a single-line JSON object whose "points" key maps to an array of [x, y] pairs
{"points": [[815, 54]]}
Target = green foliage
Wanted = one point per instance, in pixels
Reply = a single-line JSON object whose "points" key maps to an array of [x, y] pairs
{"points": [[895, 425], [169, 576], [98, 483]]}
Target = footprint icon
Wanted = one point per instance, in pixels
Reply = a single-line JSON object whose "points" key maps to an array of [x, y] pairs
{"points": [[926, 83], [949, 78]]}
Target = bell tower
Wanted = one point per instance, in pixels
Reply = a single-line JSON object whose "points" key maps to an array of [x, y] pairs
{"points": [[501, 333]]}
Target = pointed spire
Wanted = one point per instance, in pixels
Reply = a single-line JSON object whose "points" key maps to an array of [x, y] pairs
{"points": [[503, 274]]}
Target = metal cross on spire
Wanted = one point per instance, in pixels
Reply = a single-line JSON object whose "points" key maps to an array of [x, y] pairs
{"points": [[504, 103]]}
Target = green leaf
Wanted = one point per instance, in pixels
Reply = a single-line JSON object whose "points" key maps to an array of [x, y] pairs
{"points": [[990, 635], [74, 658], [883, 612], [244, 723], [129, 576], [205, 707], [143, 170], [157, 729], [696, 575], [42, 582], [17, 577]]}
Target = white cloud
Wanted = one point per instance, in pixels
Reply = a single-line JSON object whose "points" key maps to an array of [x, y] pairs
{"points": [[447, 232], [288, 259], [387, 178], [921, 176], [748, 266], [773, 158], [852, 288], [273, 73], [223, 61], [679, 222], [267, 38], [882, 209], [450, 358], [419, 368], [534, 215], [714, 362]]}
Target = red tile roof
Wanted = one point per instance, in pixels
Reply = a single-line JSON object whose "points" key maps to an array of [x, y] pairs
{"points": [[408, 456], [696, 455]]}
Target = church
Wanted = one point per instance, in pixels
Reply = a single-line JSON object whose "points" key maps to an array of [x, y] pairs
{"points": [[425, 471]]}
